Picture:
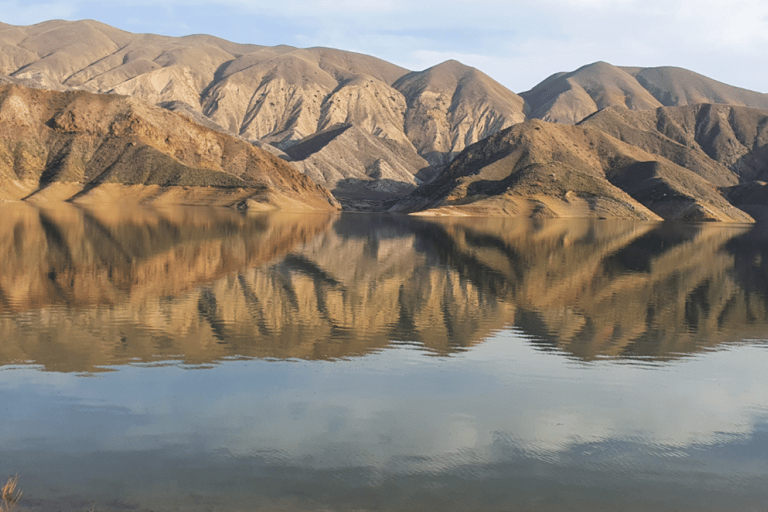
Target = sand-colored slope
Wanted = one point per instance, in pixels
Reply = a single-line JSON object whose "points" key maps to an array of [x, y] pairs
{"points": [[554, 170], [77, 143], [571, 97], [451, 106], [278, 95], [676, 86]]}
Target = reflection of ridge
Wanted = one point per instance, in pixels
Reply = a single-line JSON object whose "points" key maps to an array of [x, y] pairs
{"points": [[254, 306], [751, 264], [94, 227], [684, 300], [320, 278], [206, 305], [636, 256], [205, 285]]}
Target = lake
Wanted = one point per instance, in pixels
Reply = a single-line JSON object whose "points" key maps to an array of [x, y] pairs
{"points": [[202, 359]]}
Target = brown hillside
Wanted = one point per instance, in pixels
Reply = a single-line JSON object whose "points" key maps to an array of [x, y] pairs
{"points": [[278, 95], [78, 145], [359, 167], [451, 106], [552, 170], [722, 143], [676, 86], [571, 97]]}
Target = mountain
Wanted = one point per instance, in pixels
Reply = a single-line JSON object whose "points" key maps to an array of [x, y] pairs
{"points": [[555, 170], [276, 95], [726, 145], [676, 86], [451, 106], [95, 147], [373, 132], [359, 168], [570, 97]]}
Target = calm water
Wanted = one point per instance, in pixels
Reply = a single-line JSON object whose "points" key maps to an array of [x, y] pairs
{"points": [[192, 359]]}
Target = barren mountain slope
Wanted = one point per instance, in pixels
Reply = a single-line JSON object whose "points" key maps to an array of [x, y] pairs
{"points": [[543, 169], [724, 144], [284, 98], [78, 145], [277, 95], [359, 168], [451, 106], [676, 86], [571, 97]]}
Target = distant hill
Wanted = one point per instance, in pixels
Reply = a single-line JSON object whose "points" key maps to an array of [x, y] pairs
{"points": [[88, 147], [570, 97], [676, 86]]}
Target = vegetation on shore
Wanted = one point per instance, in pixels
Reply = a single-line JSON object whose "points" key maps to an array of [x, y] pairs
{"points": [[10, 494]]}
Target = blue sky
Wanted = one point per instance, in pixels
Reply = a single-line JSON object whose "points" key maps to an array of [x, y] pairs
{"points": [[517, 43]]}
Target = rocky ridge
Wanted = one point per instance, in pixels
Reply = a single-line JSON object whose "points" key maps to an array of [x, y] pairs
{"points": [[570, 97], [87, 147], [276, 95], [555, 170], [373, 132]]}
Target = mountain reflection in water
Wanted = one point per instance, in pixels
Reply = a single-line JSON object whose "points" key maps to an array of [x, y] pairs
{"points": [[359, 363], [83, 289]]}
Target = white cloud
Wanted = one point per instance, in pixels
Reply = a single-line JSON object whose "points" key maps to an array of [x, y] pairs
{"points": [[517, 43]]}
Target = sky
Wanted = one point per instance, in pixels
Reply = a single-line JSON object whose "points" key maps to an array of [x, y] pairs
{"points": [[517, 43]]}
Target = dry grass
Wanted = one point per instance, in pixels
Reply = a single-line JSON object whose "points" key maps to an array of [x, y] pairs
{"points": [[10, 494]]}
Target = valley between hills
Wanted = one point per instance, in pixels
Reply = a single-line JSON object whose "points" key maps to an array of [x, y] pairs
{"points": [[91, 114]]}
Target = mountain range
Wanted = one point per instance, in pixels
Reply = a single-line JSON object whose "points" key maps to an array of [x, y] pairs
{"points": [[648, 143]]}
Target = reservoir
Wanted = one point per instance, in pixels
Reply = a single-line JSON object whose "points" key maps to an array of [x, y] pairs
{"points": [[207, 359]]}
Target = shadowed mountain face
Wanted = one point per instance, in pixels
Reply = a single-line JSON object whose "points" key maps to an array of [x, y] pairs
{"points": [[83, 289], [107, 148], [359, 167], [724, 144], [279, 95], [570, 97]]}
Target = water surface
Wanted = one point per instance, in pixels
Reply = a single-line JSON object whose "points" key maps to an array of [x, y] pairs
{"points": [[194, 359]]}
